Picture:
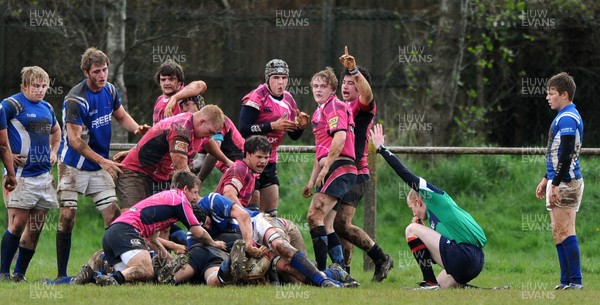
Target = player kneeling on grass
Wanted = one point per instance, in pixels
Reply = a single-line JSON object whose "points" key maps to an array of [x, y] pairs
{"points": [[454, 241], [124, 241]]}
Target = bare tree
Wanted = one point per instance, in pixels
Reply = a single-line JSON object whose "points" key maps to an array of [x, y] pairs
{"points": [[115, 47], [448, 47]]}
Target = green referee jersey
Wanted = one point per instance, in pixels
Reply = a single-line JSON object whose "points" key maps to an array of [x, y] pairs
{"points": [[448, 219]]}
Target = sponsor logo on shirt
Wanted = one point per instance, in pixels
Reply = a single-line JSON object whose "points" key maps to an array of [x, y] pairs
{"points": [[268, 109], [568, 129], [101, 121], [333, 122], [237, 183], [180, 146], [135, 242]]}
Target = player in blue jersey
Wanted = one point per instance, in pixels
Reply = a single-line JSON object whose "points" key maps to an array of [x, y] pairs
{"points": [[454, 240], [84, 166], [34, 136], [562, 186]]}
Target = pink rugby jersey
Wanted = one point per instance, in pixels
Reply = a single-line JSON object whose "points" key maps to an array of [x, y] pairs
{"points": [[241, 178], [159, 108], [152, 155], [270, 111], [330, 117], [363, 120], [159, 212]]}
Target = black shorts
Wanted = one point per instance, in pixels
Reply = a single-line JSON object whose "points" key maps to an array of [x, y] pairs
{"points": [[463, 261], [228, 238], [201, 258], [340, 179], [120, 238], [357, 192], [268, 177]]}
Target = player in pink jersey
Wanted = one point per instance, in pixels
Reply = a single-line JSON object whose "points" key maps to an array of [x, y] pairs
{"points": [[170, 78], [271, 111], [356, 91], [238, 182], [334, 171], [231, 143], [164, 149], [126, 241]]}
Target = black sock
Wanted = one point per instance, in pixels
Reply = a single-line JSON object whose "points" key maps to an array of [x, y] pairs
{"points": [[63, 251], [376, 253], [119, 277], [224, 275], [319, 239], [423, 257]]}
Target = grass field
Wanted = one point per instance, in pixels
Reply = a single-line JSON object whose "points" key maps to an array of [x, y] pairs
{"points": [[497, 190]]}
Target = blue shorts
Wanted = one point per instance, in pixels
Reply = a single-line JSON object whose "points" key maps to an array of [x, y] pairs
{"points": [[353, 197], [340, 179], [463, 261]]}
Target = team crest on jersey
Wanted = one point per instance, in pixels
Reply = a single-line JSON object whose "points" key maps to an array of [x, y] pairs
{"points": [[135, 242], [237, 183], [180, 146], [333, 122]]}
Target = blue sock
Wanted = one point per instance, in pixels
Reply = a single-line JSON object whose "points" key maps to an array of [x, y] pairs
{"points": [[62, 281], [10, 244], [564, 265], [573, 257], [333, 275], [334, 248], [63, 251], [319, 240], [23, 260], [301, 263]]}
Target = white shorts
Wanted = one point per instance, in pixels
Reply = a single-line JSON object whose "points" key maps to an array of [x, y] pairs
{"points": [[570, 194], [33, 193], [262, 223], [72, 180]]}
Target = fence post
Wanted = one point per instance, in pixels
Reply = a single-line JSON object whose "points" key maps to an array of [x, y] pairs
{"points": [[370, 204]]}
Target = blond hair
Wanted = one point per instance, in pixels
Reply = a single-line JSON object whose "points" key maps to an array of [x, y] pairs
{"points": [[93, 56], [213, 114], [326, 75], [31, 74]]}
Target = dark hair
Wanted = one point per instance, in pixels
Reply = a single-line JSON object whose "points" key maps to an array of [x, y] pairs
{"points": [[200, 213], [183, 178], [362, 71], [169, 68], [257, 143], [563, 82]]}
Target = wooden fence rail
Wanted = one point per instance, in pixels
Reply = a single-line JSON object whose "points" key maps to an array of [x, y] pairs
{"points": [[370, 198]]}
